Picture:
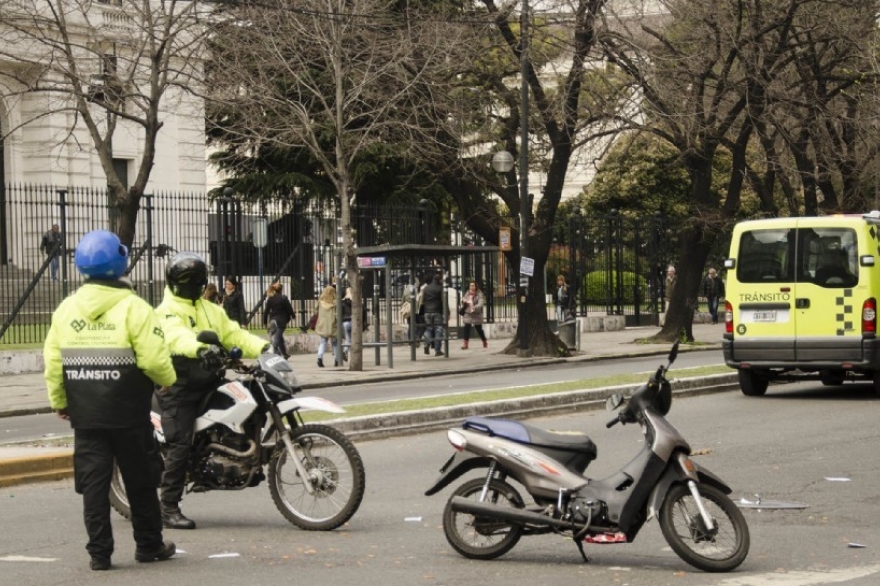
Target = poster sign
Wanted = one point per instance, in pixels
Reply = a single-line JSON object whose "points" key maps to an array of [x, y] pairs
{"points": [[527, 266], [504, 242]]}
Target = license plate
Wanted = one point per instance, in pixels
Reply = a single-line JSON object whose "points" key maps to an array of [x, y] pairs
{"points": [[764, 316]]}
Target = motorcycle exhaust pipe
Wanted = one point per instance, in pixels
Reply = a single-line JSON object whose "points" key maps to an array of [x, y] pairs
{"points": [[512, 516]]}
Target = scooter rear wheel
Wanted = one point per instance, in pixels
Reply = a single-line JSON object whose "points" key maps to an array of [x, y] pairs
{"points": [[718, 550], [481, 538]]}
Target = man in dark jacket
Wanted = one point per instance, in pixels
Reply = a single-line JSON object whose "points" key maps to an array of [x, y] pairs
{"points": [[278, 313], [51, 246], [713, 291], [432, 300], [104, 352]]}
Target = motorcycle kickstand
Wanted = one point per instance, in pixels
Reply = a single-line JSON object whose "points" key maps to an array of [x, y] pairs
{"points": [[580, 545]]}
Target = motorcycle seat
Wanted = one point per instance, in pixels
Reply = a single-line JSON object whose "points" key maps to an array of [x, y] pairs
{"points": [[570, 441]]}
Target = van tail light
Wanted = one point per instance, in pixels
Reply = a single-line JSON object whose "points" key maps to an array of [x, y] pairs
{"points": [[869, 316], [728, 317]]}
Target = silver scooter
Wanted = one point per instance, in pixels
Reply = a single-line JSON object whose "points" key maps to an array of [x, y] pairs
{"points": [[485, 517]]}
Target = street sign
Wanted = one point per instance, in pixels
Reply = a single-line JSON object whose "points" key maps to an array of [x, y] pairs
{"points": [[260, 228], [527, 266]]}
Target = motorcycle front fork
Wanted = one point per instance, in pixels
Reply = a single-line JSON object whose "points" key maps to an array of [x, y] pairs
{"points": [[284, 434], [707, 519]]}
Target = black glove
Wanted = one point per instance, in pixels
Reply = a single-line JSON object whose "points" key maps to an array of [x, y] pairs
{"points": [[267, 348], [211, 357]]}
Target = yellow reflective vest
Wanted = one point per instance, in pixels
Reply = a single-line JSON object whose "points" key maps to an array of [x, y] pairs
{"points": [[104, 353]]}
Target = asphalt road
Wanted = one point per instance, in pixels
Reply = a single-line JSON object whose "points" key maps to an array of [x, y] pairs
{"points": [[37, 427], [801, 443]]}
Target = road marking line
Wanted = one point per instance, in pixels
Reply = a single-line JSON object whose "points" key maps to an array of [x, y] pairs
{"points": [[802, 578], [22, 558]]}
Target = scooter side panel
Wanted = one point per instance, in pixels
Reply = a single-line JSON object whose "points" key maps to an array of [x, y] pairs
{"points": [[541, 475]]}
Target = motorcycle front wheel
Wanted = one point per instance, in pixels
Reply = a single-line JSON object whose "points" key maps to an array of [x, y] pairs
{"points": [[482, 538], [720, 549], [335, 473]]}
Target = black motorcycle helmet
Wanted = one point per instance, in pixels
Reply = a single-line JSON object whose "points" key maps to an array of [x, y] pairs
{"points": [[187, 275]]}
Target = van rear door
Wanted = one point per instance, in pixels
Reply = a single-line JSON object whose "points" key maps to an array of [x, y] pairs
{"points": [[763, 299], [828, 295]]}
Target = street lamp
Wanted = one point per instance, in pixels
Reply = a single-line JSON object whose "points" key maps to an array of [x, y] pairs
{"points": [[502, 162]]}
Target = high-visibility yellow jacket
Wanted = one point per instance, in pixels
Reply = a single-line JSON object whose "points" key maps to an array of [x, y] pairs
{"points": [[103, 354], [183, 319]]}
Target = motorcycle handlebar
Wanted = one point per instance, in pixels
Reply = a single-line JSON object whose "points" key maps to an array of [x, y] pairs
{"points": [[613, 422]]}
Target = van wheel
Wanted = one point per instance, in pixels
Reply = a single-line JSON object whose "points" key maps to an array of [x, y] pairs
{"points": [[754, 385]]}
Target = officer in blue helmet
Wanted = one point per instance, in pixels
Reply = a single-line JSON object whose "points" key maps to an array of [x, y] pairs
{"points": [[105, 353]]}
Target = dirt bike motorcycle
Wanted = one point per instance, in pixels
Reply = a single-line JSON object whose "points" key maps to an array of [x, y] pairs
{"points": [[315, 474], [485, 517]]}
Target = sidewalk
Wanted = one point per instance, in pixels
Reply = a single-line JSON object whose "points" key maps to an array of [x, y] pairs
{"points": [[26, 393]]}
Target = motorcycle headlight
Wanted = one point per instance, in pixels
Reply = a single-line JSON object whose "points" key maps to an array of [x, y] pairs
{"points": [[290, 378]]}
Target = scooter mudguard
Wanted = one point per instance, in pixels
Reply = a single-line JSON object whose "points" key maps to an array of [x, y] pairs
{"points": [[673, 474], [459, 464]]}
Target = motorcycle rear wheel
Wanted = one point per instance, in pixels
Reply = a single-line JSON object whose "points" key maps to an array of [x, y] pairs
{"points": [[118, 497], [481, 538], [720, 550], [336, 473]]}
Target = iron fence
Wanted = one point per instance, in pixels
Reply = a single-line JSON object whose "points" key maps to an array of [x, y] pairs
{"points": [[258, 243]]}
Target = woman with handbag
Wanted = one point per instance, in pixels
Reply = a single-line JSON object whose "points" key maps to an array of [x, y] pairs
{"points": [[471, 312]]}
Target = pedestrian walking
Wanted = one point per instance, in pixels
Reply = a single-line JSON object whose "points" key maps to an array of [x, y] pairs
{"points": [[104, 353], [562, 298], [472, 303], [713, 291], [278, 313], [233, 301], [432, 299], [326, 325], [50, 244], [212, 294]]}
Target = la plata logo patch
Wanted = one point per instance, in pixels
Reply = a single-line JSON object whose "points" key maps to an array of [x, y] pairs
{"points": [[78, 325], [159, 332]]}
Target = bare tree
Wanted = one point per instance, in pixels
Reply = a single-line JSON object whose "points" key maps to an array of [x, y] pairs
{"points": [[713, 75], [334, 77], [106, 65]]}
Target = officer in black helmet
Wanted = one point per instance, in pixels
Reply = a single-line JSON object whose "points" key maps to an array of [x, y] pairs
{"points": [[184, 314]]}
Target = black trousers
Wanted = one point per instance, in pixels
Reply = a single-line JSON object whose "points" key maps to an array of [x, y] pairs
{"points": [[478, 327], [180, 409], [140, 463]]}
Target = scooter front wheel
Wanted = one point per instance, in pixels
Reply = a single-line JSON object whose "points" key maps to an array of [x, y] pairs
{"points": [[481, 538], [335, 474], [720, 549]]}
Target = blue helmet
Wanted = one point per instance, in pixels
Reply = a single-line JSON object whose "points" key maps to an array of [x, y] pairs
{"points": [[100, 255]]}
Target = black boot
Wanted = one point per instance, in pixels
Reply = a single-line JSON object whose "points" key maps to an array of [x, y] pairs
{"points": [[172, 518], [321, 362], [163, 552]]}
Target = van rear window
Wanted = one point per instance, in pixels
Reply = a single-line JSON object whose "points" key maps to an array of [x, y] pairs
{"points": [[827, 257]]}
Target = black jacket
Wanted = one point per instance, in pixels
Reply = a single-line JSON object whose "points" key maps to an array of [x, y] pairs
{"points": [[234, 305], [279, 309]]}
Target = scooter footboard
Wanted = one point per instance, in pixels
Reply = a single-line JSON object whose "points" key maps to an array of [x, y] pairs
{"points": [[455, 467]]}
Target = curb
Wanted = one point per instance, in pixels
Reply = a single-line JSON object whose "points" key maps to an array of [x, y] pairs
{"points": [[58, 466]]}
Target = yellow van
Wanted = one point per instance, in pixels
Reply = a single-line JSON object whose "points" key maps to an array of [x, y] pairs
{"points": [[802, 300]]}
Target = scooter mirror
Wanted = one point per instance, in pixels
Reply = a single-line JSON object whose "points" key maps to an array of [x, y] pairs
{"points": [[613, 402], [673, 354]]}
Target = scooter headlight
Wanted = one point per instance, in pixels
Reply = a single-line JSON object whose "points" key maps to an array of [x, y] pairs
{"points": [[458, 441]]}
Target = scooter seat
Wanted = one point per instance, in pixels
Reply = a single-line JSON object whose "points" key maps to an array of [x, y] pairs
{"points": [[570, 441]]}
